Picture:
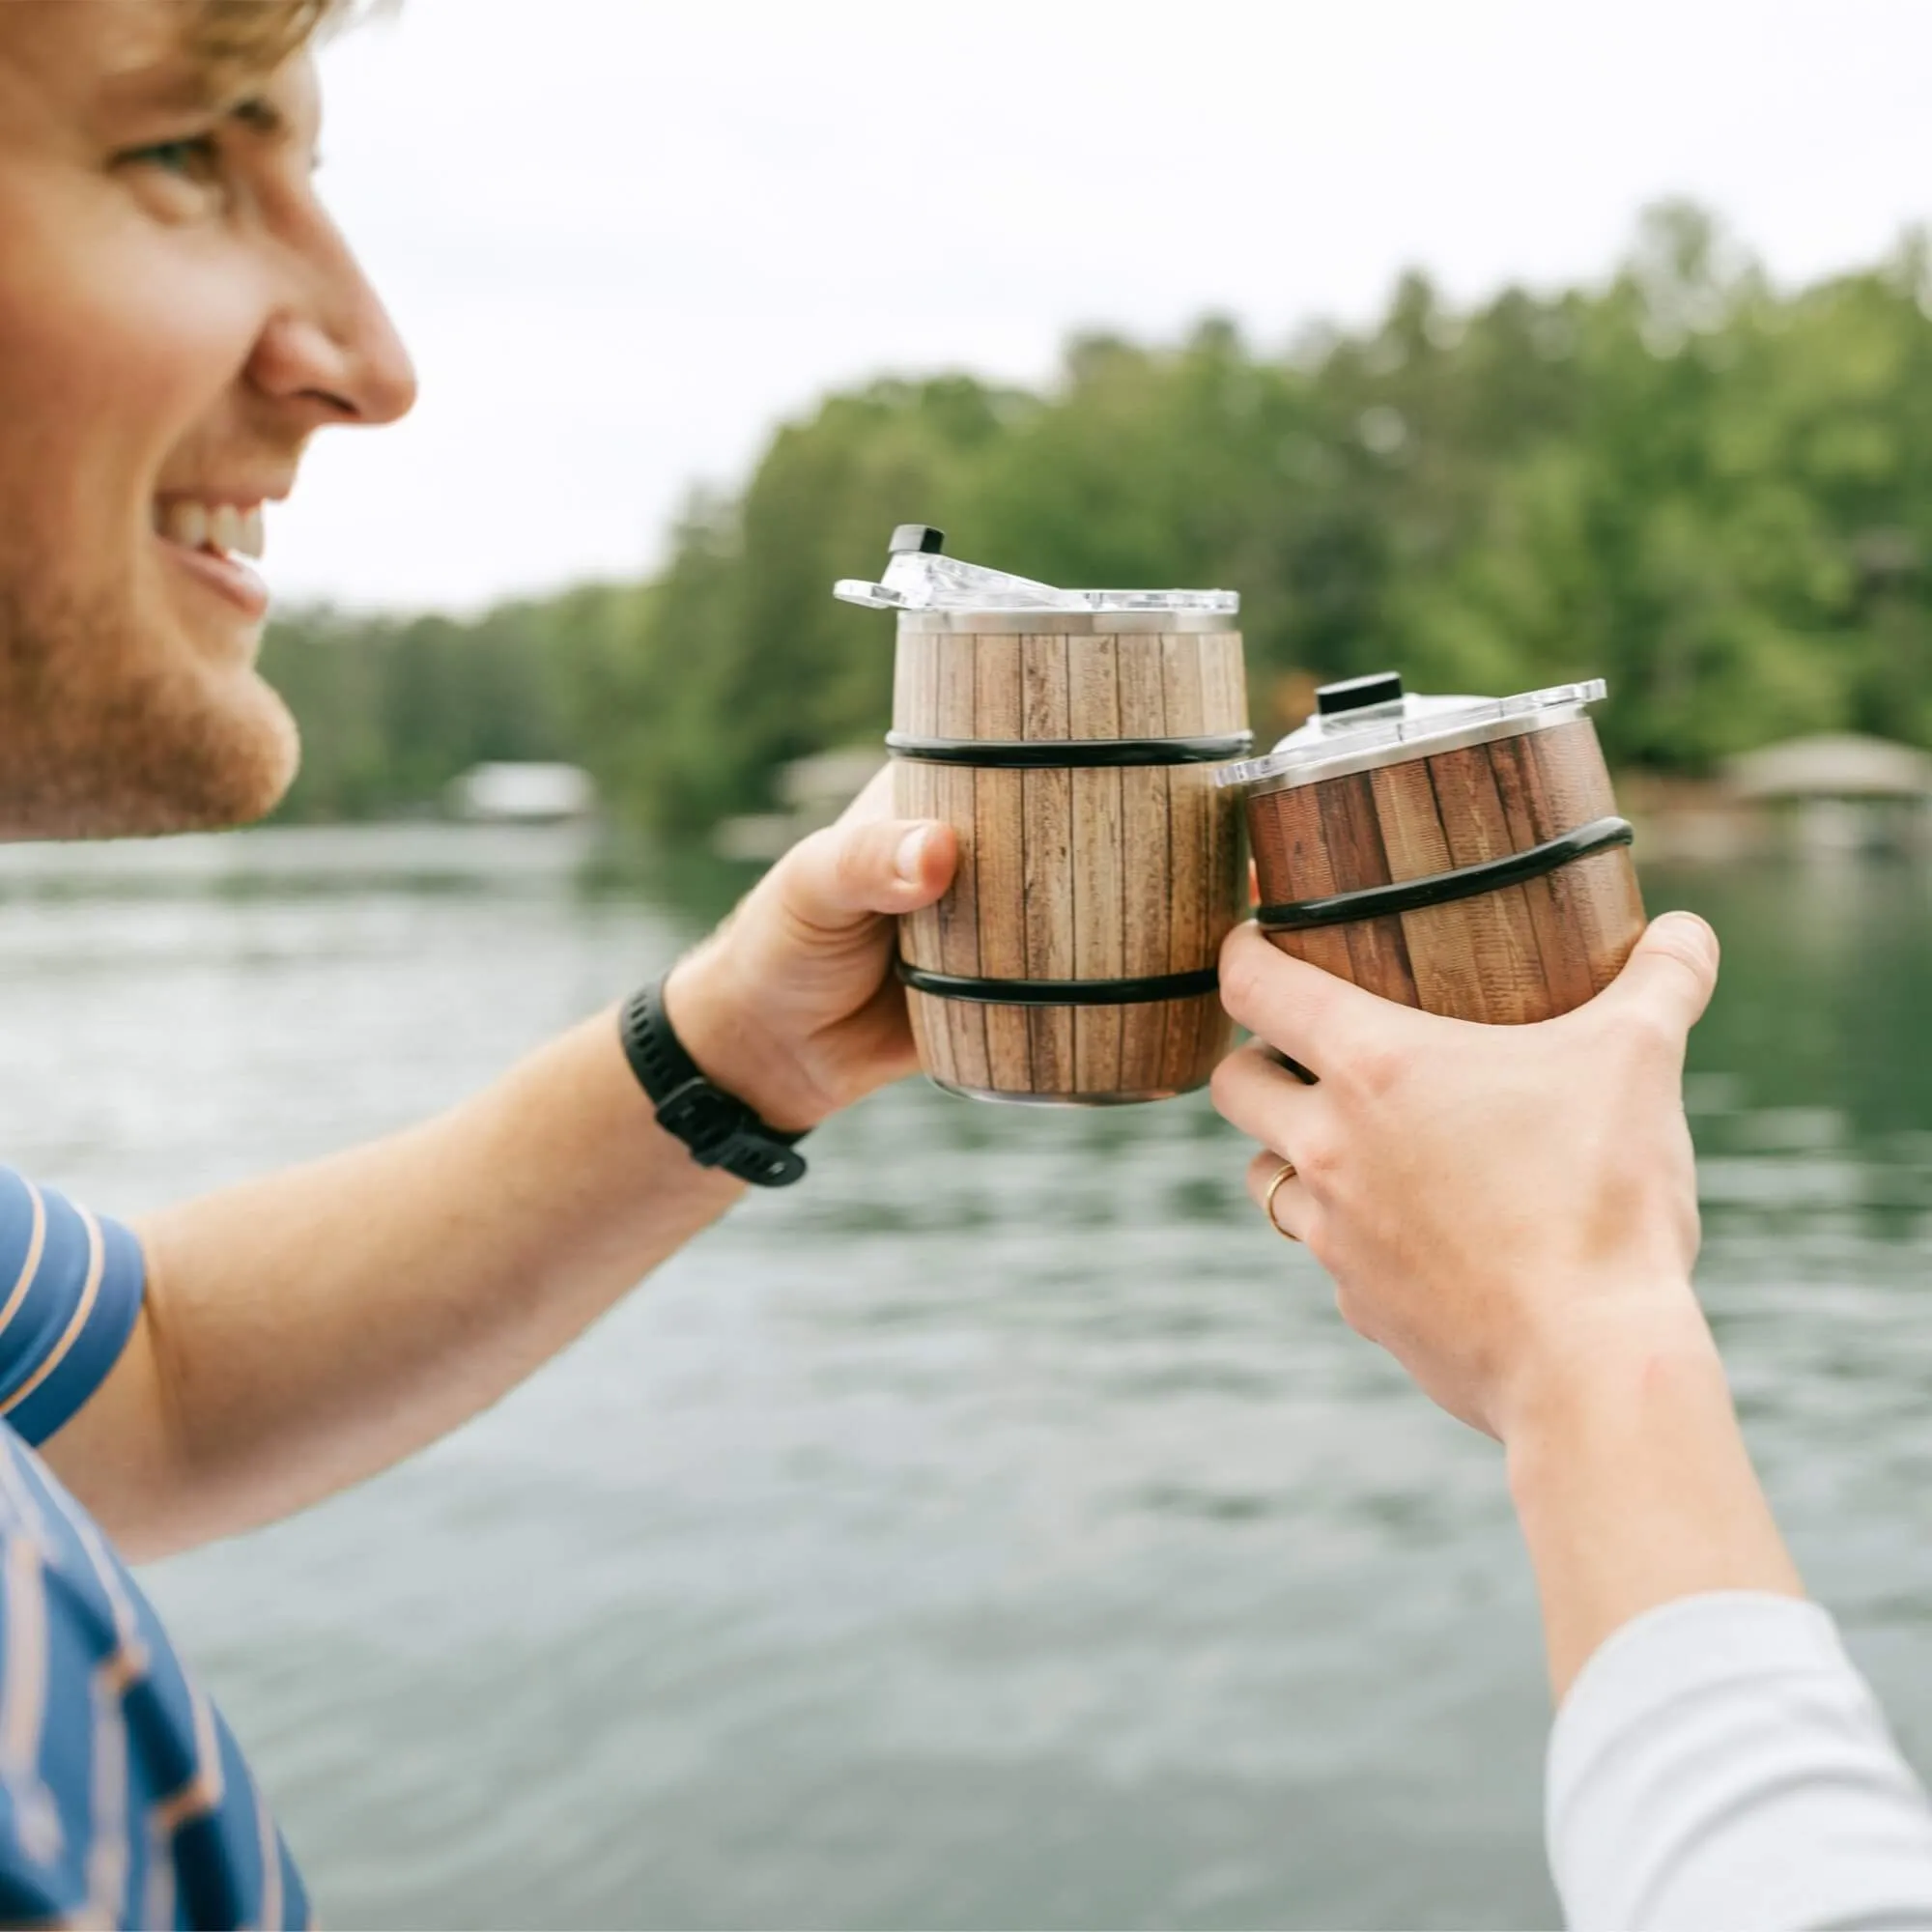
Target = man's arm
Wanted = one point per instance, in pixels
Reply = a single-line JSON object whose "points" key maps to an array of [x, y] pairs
{"points": [[1512, 1212], [305, 1330]]}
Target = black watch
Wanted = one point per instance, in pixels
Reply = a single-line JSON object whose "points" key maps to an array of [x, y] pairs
{"points": [[718, 1127]]}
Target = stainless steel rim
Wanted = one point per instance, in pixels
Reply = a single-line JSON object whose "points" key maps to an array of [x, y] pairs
{"points": [[1059, 1099], [1343, 765], [1072, 623]]}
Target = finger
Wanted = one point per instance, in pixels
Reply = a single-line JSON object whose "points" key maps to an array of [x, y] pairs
{"points": [[852, 870], [1263, 1098], [1287, 1206], [1310, 1014], [1670, 976]]}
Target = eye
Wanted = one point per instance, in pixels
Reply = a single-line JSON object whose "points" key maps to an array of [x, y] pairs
{"points": [[194, 157]]}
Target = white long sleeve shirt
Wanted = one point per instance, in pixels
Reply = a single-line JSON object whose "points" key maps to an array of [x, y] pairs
{"points": [[1719, 1763]]}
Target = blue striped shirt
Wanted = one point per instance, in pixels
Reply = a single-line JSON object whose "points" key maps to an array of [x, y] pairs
{"points": [[124, 1800]]}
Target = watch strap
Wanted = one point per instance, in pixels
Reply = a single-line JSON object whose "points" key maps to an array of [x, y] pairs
{"points": [[720, 1130]]}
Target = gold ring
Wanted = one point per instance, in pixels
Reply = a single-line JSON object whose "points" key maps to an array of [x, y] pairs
{"points": [[1268, 1200]]}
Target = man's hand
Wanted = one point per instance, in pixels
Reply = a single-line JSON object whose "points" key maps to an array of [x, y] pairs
{"points": [[1495, 1204], [791, 1004]]}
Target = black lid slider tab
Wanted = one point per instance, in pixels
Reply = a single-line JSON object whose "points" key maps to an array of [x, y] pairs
{"points": [[1357, 693], [918, 539]]}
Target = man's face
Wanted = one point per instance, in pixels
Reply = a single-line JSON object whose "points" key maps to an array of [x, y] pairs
{"points": [[177, 318]]}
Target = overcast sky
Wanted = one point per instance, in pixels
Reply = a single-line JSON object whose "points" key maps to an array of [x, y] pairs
{"points": [[625, 238]]}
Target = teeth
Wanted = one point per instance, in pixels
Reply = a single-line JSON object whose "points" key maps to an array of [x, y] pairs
{"points": [[220, 527]]}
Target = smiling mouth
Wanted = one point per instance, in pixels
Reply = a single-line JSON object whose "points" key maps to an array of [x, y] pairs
{"points": [[215, 545], [222, 530]]}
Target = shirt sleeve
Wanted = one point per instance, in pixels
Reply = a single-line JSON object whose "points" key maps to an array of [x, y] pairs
{"points": [[1721, 1762], [70, 1288]]}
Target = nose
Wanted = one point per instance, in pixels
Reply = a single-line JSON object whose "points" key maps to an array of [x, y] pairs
{"points": [[331, 353]]}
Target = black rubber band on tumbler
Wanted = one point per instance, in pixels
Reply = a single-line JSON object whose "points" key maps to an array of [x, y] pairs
{"points": [[1040, 754], [1441, 888], [1062, 992]]}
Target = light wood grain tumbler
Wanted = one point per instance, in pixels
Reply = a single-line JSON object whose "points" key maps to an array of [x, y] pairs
{"points": [[1100, 866], [1459, 854]]}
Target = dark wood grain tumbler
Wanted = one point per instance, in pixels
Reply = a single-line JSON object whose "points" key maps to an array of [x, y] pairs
{"points": [[1100, 866], [1475, 867]]}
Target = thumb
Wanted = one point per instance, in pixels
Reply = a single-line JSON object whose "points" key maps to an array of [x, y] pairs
{"points": [[847, 874], [1672, 972]]}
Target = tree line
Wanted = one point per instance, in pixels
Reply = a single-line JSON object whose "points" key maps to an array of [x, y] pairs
{"points": [[1713, 492]]}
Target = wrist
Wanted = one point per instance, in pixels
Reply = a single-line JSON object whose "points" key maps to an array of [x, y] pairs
{"points": [[1598, 1356], [719, 1028], [1631, 1479], [1603, 1355]]}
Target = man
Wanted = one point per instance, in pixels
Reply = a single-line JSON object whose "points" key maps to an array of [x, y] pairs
{"points": [[1512, 1211], [177, 318]]}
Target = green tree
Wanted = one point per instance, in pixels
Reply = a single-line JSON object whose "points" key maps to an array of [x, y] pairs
{"points": [[1715, 493]]}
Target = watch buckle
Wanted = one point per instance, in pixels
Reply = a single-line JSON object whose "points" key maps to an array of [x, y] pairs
{"points": [[721, 1130], [705, 1120]]}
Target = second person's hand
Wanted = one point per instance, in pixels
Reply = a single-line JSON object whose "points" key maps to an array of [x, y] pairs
{"points": [[1494, 1203]]}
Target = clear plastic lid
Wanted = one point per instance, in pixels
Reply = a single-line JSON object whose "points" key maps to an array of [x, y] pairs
{"points": [[1372, 720], [920, 577]]}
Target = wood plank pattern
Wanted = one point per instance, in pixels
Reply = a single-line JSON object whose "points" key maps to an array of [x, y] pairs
{"points": [[1609, 903], [1556, 901], [916, 795], [1497, 925], [1047, 812], [1291, 848], [1442, 964], [1225, 689], [1377, 948], [1099, 933], [1147, 925], [954, 792], [1513, 955], [1190, 852], [1088, 872], [1000, 849]]}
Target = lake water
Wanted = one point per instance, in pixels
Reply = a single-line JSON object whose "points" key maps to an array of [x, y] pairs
{"points": [[1000, 1529]]}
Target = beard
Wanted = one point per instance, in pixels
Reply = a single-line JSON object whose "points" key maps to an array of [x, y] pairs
{"points": [[110, 728]]}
